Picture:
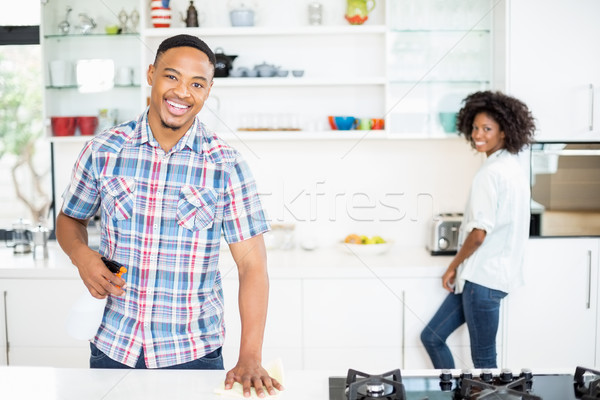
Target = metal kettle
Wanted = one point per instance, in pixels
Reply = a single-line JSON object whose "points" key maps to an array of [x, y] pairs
{"points": [[224, 63]]}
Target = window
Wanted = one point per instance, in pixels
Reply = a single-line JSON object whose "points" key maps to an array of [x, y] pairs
{"points": [[24, 153]]}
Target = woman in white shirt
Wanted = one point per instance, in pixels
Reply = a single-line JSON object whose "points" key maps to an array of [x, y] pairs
{"points": [[493, 232]]}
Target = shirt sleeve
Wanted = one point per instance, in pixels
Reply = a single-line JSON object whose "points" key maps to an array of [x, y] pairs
{"points": [[243, 215], [81, 198], [483, 204]]}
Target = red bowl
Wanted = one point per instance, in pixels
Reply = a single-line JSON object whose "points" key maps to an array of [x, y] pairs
{"points": [[63, 126], [87, 125]]}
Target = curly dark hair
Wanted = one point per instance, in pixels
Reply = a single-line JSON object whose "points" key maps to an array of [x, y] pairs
{"points": [[510, 113]]}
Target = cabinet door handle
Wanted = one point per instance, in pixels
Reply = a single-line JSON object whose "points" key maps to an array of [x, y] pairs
{"points": [[589, 289], [5, 294], [591, 107]]}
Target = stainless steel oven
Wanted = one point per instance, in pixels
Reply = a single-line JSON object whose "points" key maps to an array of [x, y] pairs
{"points": [[565, 189]]}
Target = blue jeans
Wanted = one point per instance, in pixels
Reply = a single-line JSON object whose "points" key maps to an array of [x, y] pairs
{"points": [[212, 360], [479, 307]]}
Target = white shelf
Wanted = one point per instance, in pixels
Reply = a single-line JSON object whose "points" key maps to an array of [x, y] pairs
{"points": [[293, 81], [266, 31]]}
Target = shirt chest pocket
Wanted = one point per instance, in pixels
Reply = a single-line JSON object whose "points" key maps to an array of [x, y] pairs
{"points": [[118, 197], [196, 207]]}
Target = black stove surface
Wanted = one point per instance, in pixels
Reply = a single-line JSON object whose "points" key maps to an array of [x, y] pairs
{"points": [[547, 387]]}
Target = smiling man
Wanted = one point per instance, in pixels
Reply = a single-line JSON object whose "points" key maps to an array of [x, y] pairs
{"points": [[168, 189]]}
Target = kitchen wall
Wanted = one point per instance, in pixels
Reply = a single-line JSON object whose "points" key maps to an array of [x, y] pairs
{"points": [[331, 188]]}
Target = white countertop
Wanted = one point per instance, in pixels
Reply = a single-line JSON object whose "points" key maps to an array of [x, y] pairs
{"points": [[90, 384], [329, 262]]}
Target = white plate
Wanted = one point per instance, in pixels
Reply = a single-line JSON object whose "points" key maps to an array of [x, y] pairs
{"points": [[366, 249]]}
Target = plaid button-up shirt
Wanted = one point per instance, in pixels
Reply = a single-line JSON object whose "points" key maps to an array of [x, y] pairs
{"points": [[162, 216]]}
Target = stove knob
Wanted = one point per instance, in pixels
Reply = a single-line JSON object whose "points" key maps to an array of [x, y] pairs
{"points": [[466, 374], [526, 373], [486, 376], [506, 376], [443, 243], [446, 380]]}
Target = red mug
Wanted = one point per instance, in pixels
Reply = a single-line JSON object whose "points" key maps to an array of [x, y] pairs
{"points": [[63, 126], [87, 125]]}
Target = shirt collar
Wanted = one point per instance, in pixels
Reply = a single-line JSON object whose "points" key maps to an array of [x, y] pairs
{"points": [[192, 138]]}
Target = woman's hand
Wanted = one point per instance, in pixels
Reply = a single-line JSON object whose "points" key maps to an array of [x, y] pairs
{"points": [[448, 279]]}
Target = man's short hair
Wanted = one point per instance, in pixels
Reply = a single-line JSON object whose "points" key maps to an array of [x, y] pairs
{"points": [[185, 41]]}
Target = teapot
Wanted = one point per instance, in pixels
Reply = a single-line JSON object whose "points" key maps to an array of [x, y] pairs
{"points": [[240, 13], [357, 11], [223, 64], [191, 18]]}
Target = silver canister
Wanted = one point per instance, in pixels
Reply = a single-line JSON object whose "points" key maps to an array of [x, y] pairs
{"points": [[39, 236], [315, 13]]}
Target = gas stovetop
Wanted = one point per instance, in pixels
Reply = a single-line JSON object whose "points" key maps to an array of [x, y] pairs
{"points": [[584, 384]]}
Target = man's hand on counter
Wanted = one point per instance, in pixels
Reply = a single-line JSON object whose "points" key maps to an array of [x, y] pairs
{"points": [[251, 374]]}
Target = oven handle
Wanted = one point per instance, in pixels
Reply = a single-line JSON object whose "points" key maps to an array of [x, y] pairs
{"points": [[6, 348], [589, 291]]}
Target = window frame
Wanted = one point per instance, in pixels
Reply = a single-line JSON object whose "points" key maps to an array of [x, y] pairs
{"points": [[19, 35]]}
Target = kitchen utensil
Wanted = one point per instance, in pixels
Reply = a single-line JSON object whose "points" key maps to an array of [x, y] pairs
{"points": [[241, 13], [443, 239], [282, 73], [448, 121], [315, 13], [374, 249], [96, 75], [224, 63], [266, 70], [365, 124], [112, 29], [64, 26], [191, 17], [342, 123], [86, 23], [21, 237], [377, 123], [298, 73], [160, 14], [357, 11], [61, 72], [63, 126], [87, 125], [123, 18], [39, 237]]}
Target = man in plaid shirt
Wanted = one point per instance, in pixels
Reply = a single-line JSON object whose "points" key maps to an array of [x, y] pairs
{"points": [[168, 189]]}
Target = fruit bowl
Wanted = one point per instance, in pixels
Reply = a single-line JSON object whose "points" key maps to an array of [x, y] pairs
{"points": [[366, 249]]}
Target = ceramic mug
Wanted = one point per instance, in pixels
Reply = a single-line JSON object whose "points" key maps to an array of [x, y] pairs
{"points": [[365, 124], [377, 123]]}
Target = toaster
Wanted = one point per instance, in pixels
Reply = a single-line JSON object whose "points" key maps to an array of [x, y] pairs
{"points": [[444, 234]]}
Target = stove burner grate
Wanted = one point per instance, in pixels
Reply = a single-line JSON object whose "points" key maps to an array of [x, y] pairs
{"points": [[477, 390], [362, 386]]}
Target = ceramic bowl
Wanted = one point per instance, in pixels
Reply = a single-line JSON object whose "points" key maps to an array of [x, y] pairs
{"points": [[366, 249], [342, 123], [298, 73]]}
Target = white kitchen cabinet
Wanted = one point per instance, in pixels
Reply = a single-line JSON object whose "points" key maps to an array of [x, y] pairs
{"points": [[422, 298], [438, 52], [283, 331], [553, 66], [352, 323], [34, 317], [552, 321]]}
